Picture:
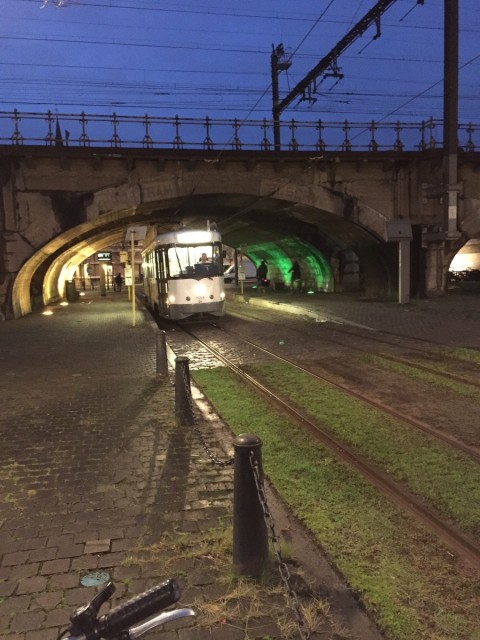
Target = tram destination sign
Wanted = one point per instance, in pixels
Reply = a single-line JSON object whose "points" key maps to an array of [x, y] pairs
{"points": [[104, 256]]}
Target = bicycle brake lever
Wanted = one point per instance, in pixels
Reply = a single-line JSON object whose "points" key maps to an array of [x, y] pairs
{"points": [[84, 618]]}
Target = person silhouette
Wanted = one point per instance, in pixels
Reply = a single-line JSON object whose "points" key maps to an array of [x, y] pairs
{"points": [[118, 282], [296, 275], [262, 271]]}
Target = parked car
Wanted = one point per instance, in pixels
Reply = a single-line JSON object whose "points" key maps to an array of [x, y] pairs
{"points": [[250, 272]]}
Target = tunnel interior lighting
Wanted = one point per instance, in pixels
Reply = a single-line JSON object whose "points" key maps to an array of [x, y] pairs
{"points": [[279, 256]]}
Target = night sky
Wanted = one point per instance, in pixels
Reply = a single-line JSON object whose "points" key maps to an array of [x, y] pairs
{"points": [[213, 58]]}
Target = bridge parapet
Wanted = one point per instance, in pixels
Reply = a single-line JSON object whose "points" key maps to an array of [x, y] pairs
{"points": [[60, 203], [316, 136]]}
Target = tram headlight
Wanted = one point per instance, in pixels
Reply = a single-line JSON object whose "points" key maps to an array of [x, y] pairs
{"points": [[171, 298], [194, 237], [222, 295], [200, 290]]}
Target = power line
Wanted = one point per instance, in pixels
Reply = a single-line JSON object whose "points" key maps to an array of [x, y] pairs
{"points": [[187, 95]]}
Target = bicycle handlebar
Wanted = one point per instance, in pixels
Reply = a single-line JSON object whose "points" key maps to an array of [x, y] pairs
{"points": [[85, 624]]}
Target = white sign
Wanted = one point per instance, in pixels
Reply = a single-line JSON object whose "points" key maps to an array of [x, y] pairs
{"points": [[241, 272], [128, 275]]}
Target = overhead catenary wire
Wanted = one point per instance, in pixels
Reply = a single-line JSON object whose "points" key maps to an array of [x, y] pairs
{"points": [[221, 95]]}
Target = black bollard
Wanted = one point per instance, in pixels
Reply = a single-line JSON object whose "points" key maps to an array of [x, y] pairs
{"points": [[183, 394], [162, 361], [250, 540]]}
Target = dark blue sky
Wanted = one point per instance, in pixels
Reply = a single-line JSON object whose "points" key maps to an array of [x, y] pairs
{"points": [[212, 57]]}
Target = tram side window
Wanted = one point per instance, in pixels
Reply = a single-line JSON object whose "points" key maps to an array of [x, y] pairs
{"points": [[218, 259], [161, 264], [149, 265], [146, 266]]}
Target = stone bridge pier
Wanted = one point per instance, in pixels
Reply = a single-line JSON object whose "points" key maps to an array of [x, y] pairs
{"points": [[58, 206]]}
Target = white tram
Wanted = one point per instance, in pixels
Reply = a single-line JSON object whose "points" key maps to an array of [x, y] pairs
{"points": [[183, 273]]}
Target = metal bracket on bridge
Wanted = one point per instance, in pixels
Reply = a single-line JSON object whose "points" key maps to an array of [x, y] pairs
{"points": [[433, 191], [398, 230]]}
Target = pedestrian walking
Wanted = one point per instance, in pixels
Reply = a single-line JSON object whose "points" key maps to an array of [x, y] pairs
{"points": [[262, 271], [296, 276], [118, 282]]}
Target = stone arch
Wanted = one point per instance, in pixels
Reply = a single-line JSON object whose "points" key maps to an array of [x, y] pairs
{"points": [[111, 209], [72, 245]]}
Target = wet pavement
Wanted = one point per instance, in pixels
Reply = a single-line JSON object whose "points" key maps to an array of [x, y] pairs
{"points": [[452, 320], [94, 473]]}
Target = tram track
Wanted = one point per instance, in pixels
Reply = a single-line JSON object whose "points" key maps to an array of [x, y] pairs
{"points": [[472, 380], [431, 399], [453, 538], [453, 442]]}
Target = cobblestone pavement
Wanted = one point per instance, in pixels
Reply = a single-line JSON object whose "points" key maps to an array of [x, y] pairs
{"points": [[94, 473], [88, 466], [452, 320]]}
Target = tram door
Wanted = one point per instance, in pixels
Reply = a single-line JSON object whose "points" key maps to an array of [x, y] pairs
{"points": [[162, 270]]}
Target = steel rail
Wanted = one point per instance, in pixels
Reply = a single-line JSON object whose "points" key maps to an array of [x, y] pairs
{"points": [[455, 443], [455, 540], [411, 363]]}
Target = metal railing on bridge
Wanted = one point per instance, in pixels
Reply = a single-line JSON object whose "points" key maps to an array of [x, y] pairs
{"points": [[149, 132]]}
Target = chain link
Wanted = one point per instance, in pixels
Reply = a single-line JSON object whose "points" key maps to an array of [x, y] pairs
{"points": [[196, 428], [303, 630]]}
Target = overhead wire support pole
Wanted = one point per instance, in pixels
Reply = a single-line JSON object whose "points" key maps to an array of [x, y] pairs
{"points": [[278, 63], [450, 117], [372, 16]]}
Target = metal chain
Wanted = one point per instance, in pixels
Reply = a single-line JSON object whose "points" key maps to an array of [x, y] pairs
{"points": [[213, 457], [303, 629]]}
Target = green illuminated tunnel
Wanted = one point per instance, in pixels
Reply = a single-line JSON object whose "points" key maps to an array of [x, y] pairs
{"points": [[279, 256]]}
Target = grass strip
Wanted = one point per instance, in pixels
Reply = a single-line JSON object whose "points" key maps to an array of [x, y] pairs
{"points": [[464, 353], [409, 370], [407, 580], [446, 478]]}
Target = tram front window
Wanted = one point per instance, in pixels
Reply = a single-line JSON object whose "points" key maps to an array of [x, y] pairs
{"points": [[198, 261]]}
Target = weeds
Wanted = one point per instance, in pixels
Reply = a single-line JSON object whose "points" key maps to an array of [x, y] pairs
{"points": [[407, 580]]}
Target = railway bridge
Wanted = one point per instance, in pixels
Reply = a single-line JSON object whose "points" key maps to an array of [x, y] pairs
{"points": [[65, 197]]}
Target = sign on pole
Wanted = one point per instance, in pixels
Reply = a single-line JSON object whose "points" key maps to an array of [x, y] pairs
{"points": [[128, 275]]}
